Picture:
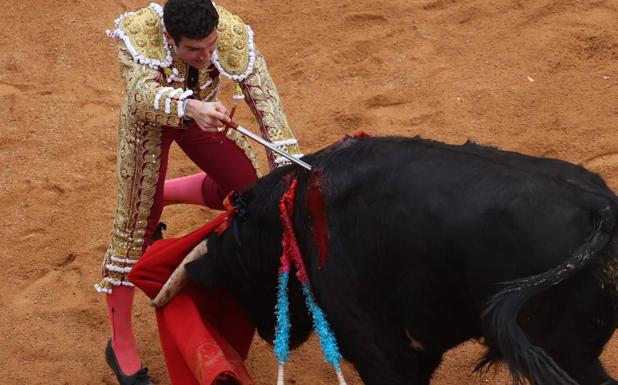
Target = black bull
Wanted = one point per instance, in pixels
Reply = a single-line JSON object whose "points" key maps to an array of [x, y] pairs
{"points": [[430, 245]]}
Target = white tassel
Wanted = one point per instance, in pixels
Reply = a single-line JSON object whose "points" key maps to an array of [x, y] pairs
{"points": [[213, 94], [118, 269], [288, 142], [124, 260], [117, 282], [185, 94], [180, 104], [159, 95], [180, 108], [281, 159], [340, 378], [208, 82], [102, 289], [280, 374]]}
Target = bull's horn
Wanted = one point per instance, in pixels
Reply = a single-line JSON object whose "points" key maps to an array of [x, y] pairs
{"points": [[178, 279]]}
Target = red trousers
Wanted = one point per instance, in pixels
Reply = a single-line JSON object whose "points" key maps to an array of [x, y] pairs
{"points": [[226, 165]]}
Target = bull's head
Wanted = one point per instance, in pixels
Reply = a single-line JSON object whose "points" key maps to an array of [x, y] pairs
{"points": [[245, 260]]}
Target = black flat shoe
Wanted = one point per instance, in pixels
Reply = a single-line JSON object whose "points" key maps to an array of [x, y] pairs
{"points": [[139, 378], [226, 379], [158, 233]]}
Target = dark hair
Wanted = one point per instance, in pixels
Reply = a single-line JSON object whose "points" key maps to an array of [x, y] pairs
{"points": [[193, 19]]}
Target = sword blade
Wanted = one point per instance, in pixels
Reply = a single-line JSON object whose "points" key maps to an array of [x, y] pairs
{"points": [[268, 145]]}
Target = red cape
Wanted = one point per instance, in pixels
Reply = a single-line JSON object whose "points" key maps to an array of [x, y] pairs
{"points": [[205, 334]]}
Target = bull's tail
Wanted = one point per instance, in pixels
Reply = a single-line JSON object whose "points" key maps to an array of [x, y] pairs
{"points": [[527, 361]]}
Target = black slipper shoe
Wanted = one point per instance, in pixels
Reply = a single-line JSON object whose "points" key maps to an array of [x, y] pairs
{"points": [[139, 378]]}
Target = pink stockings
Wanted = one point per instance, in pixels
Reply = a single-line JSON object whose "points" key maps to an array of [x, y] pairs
{"points": [[186, 189], [119, 310], [226, 167]]}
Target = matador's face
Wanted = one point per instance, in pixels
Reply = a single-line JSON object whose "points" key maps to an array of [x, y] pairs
{"points": [[195, 53]]}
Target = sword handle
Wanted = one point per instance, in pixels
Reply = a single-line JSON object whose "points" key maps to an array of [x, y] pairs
{"points": [[227, 125], [232, 124], [232, 111]]}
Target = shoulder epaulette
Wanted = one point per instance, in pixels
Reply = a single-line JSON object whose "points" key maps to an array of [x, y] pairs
{"points": [[142, 34], [235, 53]]}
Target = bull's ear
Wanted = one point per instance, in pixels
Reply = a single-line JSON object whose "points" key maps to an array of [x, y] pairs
{"points": [[205, 271]]}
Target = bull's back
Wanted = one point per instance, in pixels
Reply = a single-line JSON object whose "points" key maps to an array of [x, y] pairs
{"points": [[407, 209], [419, 189], [461, 215]]}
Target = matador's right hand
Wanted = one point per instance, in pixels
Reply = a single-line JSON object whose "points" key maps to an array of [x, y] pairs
{"points": [[209, 116]]}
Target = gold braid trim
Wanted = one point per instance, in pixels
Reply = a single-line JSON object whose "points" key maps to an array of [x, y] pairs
{"points": [[137, 174], [243, 144], [235, 53], [147, 99], [262, 96]]}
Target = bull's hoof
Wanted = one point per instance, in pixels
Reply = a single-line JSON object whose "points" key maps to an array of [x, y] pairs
{"points": [[139, 378]]}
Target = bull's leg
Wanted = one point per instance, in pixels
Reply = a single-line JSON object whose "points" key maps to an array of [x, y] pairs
{"points": [[594, 374], [379, 364], [380, 351]]}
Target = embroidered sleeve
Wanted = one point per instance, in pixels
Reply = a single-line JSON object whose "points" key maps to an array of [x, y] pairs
{"points": [[148, 97], [262, 96]]}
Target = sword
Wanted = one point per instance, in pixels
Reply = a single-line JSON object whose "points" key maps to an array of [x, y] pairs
{"points": [[232, 124]]}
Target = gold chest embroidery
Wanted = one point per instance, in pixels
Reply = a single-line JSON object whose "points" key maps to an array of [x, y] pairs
{"points": [[207, 86]]}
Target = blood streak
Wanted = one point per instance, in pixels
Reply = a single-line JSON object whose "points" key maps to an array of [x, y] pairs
{"points": [[315, 202]]}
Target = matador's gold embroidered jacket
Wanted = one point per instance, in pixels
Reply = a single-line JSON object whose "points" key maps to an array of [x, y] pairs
{"points": [[156, 88]]}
